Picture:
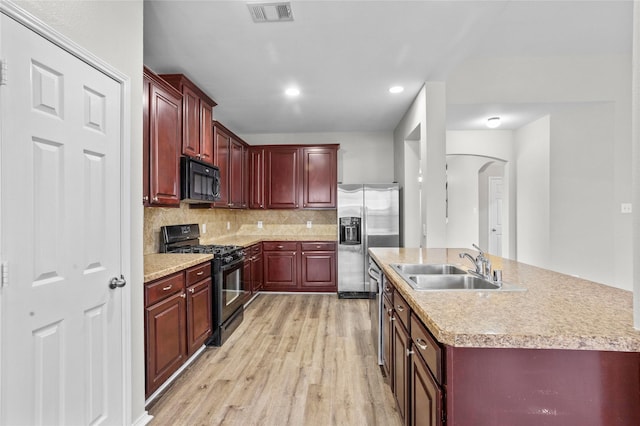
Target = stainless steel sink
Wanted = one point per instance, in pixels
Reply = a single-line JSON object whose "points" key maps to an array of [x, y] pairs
{"points": [[450, 282], [427, 269], [446, 277]]}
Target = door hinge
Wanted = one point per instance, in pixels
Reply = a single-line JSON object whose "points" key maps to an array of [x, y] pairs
{"points": [[4, 274], [3, 72]]}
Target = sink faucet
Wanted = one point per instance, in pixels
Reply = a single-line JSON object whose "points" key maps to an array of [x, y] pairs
{"points": [[482, 264]]}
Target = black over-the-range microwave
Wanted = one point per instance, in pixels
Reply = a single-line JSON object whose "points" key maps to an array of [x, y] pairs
{"points": [[200, 182]]}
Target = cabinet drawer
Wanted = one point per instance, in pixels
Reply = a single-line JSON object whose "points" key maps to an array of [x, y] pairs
{"points": [[311, 246], [198, 273], [163, 288], [427, 347], [256, 249], [280, 245], [402, 309]]}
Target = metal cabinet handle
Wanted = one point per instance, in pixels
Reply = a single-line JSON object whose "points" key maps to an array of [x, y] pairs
{"points": [[400, 308], [279, 247], [200, 273], [421, 344], [145, 198], [192, 290], [155, 199], [183, 295], [409, 352], [167, 288]]}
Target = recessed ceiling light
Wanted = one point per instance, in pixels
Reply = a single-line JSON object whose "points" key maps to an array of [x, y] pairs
{"points": [[493, 122], [292, 91], [396, 89]]}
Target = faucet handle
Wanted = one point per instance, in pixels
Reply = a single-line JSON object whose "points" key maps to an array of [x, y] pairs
{"points": [[479, 249]]}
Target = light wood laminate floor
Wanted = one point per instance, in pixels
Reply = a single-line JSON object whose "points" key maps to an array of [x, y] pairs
{"points": [[295, 360]]}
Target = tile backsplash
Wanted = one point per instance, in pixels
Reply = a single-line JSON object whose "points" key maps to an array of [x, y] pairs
{"points": [[225, 222]]}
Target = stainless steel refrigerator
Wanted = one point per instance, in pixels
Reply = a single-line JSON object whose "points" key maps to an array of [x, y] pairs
{"points": [[368, 216]]}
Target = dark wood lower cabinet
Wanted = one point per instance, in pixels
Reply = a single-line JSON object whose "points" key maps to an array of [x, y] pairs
{"points": [[400, 367], [199, 315], [387, 315], [425, 396], [299, 266], [178, 320], [166, 341], [436, 384]]}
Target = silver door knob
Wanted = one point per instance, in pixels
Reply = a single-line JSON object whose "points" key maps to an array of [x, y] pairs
{"points": [[117, 282]]}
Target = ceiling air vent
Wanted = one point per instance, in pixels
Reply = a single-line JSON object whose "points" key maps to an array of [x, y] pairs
{"points": [[270, 12]]}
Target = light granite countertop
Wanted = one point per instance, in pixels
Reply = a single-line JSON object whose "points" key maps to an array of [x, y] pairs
{"points": [[158, 265], [556, 311]]}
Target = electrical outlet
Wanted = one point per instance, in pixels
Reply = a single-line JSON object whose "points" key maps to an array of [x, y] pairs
{"points": [[625, 208], [228, 225], [204, 228], [309, 224], [259, 224]]}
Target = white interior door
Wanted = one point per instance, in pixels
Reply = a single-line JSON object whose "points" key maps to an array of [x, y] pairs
{"points": [[62, 324], [495, 215]]}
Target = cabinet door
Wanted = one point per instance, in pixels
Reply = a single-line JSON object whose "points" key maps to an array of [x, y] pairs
{"points": [[280, 270], [221, 159], [256, 178], [236, 173], [400, 365], [257, 272], [282, 180], [387, 315], [166, 346], [190, 122], [247, 274], [165, 134], [318, 267], [320, 178], [146, 84], [425, 395], [206, 132], [199, 315]]}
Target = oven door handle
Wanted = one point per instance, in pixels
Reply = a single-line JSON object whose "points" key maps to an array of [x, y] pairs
{"points": [[232, 265]]}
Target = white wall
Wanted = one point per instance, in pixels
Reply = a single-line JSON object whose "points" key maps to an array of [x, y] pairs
{"points": [[364, 157], [569, 86], [113, 32], [497, 144], [412, 128], [583, 209], [533, 203]]}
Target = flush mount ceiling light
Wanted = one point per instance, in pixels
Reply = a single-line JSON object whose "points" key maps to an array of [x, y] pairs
{"points": [[292, 91], [270, 12], [396, 89], [493, 122]]}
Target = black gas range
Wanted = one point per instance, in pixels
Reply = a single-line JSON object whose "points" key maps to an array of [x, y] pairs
{"points": [[226, 269]]}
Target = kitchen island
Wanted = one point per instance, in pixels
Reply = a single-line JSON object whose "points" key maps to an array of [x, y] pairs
{"points": [[563, 351]]}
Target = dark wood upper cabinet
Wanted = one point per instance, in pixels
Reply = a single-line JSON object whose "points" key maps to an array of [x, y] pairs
{"points": [[222, 144], [282, 177], [197, 114], [319, 178], [162, 137], [298, 176], [230, 155], [237, 174], [256, 177]]}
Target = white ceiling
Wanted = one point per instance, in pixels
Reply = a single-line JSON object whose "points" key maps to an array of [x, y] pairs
{"points": [[344, 55]]}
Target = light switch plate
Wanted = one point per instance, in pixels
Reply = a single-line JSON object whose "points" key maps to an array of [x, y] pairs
{"points": [[259, 224], [625, 208], [309, 224], [204, 228]]}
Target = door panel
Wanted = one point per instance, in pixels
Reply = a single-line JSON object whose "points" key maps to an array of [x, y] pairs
{"points": [[61, 170]]}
